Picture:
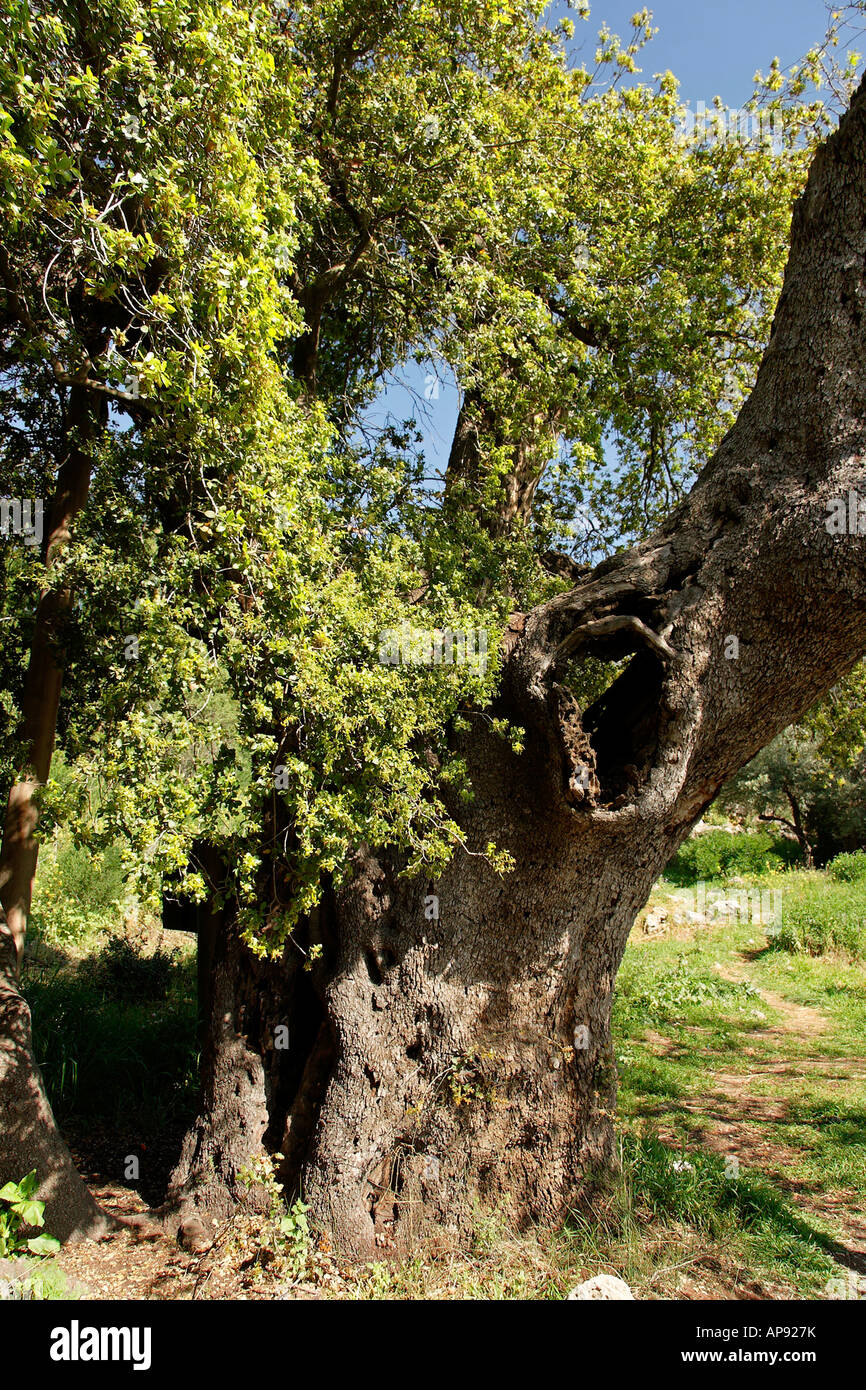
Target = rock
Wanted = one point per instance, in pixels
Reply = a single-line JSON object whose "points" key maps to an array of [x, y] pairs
{"points": [[193, 1237], [655, 920], [605, 1286]]}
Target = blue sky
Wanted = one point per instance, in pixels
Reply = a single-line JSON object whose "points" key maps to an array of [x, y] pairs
{"points": [[714, 48]]}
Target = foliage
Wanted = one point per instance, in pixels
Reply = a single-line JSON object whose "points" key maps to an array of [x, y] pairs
{"points": [[79, 894], [47, 1284], [812, 776], [113, 1061], [19, 1210], [848, 868], [126, 974], [720, 854], [829, 918], [225, 225], [285, 1233]]}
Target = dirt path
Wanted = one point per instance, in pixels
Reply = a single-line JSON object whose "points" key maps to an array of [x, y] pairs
{"points": [[741, 1121]]}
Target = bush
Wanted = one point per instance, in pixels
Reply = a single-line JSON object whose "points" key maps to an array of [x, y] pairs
{"points": [[126, 974], [718, 854], [828, 917], [848, 868], [115, 1061], [77, 894]]}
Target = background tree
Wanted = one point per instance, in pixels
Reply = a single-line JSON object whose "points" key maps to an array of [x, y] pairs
{"points": [[136, 261], [810, 778]]}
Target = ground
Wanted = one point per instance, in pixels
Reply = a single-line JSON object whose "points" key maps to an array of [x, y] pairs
{"points": [[766, 1070]]}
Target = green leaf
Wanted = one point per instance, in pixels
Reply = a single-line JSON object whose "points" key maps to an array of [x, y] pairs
{"points": [[43, 1245]]}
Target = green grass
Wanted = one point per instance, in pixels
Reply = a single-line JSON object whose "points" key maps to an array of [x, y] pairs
{"points": [[702, 1054], [38, 1281], [115, 1059], [825, 916]]}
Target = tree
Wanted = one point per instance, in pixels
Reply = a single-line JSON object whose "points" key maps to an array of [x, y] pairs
{"points": [[134, 255], [456, 1039], [422, 872], [810, 778]]}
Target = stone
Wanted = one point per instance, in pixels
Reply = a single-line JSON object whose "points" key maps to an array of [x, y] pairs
{"points": [[193, 1237], [605, 1286]]}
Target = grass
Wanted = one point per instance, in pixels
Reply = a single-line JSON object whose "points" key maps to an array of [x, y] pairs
{"points": [[116, 1042], [739, 1043], [36, 1281], [825, 916]]}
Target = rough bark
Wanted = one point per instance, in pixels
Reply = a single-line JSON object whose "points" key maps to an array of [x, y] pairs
{"points": [[29, 1137], [265, 1027], [467, 1058], [466, 478]]}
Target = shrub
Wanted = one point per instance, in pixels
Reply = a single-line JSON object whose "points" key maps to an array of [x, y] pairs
{"points": [[848, 868], [115, 1061], [828, 917], [125, 973], [718, 854], [77, 894]]}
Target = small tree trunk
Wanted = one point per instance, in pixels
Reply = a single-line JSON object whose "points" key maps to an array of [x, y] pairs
{"points": [[29, 1137], [41, 697], [800, 831]]}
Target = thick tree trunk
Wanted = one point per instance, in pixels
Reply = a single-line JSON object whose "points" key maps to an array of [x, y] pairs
{"points": [[466, 1056], [474, 1064], [29, 1137], [264, 1022]]}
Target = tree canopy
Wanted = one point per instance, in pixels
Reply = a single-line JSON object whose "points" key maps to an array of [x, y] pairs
{"points": [[225, 226]]}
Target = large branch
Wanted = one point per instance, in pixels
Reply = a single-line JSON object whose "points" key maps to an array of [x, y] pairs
{"points": [[748, 556]]}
